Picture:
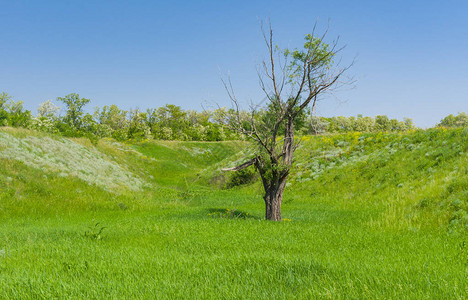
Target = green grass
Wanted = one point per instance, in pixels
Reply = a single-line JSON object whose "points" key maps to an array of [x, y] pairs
{"points": [[378, 219]]}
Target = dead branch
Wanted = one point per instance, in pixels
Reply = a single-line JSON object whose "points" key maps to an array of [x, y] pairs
{"points": [[242, 166]]}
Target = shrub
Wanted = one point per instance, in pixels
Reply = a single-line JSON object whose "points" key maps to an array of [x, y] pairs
{"points": [[245, 176]]}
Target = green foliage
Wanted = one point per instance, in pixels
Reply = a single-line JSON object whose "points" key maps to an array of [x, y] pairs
{"points": [[43, 124], [171, 122], [47, 110], [12, 113], [229, 214], [268, 116], [382, 123], [314, 47], [342, 124], [451, 121], [18, 116], [94, 232], [74, 114], [241, 177], [317, 125], [138, 129], [113, 122], [4, 98]]}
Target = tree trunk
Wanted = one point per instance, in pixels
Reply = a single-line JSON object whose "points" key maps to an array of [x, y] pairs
{"points": [[273, 198], [274, 188]]}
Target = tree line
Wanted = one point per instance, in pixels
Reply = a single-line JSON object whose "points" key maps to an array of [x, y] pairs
{"points": [[171, 122]]}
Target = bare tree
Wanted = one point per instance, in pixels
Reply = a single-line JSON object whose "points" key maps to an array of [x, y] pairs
{"points": [[292, 80]]}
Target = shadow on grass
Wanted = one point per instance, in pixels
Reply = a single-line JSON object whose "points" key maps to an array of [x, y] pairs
{"points": [[228, 213]]}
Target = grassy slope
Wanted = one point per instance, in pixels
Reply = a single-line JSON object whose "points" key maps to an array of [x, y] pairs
{"points": [[382, 217]]}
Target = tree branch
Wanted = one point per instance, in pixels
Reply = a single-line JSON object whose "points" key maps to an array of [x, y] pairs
{"points": [[242, 166]]}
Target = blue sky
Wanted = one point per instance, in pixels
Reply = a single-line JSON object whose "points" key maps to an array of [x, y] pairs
{"points": [[412, 57]]}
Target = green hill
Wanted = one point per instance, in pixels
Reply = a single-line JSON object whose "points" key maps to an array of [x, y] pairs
{"points": [[366, 216]]}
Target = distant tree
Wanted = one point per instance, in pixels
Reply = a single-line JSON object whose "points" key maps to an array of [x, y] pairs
{"points": [[364, 124], [46, 117], [396, 125], [74, 112], [4, 99], [462, 119], [451, 121], [382, 123], [47, 110], [171, 117], [448, 121], [113, 122], [409, 124], [138, 128], [344, 124], [317, 125], [296, 80], [12, 112]]}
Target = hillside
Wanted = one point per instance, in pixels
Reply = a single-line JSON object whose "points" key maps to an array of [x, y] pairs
{"points": [[366, 216], [412, 179]]}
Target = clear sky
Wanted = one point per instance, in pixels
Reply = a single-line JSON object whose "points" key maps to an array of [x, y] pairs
{"points": [[412, 56]]}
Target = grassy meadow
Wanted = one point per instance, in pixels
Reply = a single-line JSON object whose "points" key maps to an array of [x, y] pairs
{"points": [[366, 216]]}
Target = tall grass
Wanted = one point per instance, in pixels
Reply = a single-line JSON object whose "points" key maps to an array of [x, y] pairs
{"points": [[370, 216]]}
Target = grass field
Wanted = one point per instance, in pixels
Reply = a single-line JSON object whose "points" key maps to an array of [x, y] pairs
{"points": [[366, 216]]}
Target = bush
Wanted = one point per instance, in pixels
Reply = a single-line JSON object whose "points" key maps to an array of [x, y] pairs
{"points": [[241, 177]]}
